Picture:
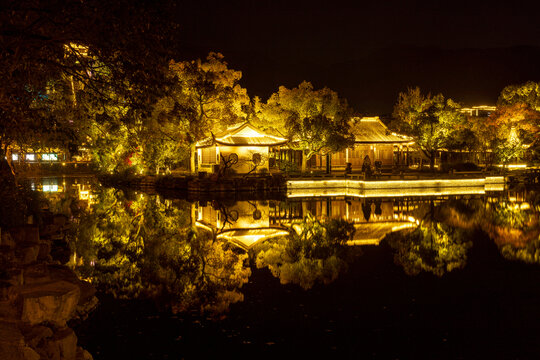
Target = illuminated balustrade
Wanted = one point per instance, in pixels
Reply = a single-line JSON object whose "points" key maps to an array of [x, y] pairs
{"points": [[393, 188]]}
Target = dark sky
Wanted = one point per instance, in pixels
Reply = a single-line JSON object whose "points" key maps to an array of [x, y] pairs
{"points": [[368, 52]]}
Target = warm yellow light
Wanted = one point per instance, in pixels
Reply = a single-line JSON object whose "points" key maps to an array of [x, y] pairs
{"points": [[393, 188], [514, 166]]}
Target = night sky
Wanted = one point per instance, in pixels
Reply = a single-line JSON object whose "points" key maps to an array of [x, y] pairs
{"points": [[368, 53]]}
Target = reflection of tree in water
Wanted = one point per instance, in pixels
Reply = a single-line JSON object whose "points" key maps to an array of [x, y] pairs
{"points": [[433, 246], [515, 229], [529, 252], [316, 252], [141, 247]]}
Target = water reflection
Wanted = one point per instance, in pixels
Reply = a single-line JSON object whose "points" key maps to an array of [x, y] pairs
{"points": [[314, 251], [199, 255], [135, 245]]}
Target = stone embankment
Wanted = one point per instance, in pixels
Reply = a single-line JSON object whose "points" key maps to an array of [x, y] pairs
{"points": [[38, 295], [240, 187]]}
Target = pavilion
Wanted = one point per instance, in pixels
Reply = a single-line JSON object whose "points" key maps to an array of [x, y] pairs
{"points": [[242, 147]]}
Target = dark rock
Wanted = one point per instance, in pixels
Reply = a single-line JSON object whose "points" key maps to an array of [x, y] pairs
{"points": [[35, 336], [60, 251], [60, 220], [12, 345], [26, 233], [83, 354], [7, 240], [44, 250], [62, 346], [14, 276], [27, 253], [36, 274], [60, 272], [53, 302]]}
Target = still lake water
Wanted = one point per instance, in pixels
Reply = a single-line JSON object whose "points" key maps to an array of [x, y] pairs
{"points": [[429, 277]]}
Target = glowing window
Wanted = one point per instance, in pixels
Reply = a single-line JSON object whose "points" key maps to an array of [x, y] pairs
{"points": [[30, 157], [15, 157], [208, 155], [49, 157], [50, 188]]}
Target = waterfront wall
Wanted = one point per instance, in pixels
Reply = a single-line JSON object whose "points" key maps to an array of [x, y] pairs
{"points": [[392, 188]]}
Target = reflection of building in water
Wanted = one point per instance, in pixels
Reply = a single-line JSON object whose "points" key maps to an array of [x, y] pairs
{"points": [[54, 188], [394, 188], [249, 222], [373, 218], [245, 223]]}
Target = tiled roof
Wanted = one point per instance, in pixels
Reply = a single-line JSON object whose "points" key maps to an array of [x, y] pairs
{"points": [[243, 135], [372, 130]]}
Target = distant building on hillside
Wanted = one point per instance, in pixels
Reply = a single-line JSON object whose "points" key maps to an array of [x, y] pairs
{"points": [[479, 110]]}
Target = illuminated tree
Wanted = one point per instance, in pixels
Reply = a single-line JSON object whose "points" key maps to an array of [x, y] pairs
{"points": [[317, 253], [431, 120], [518, 117], [315, 121], [49, 41], [517, 127], [205, 99], [528, 93]]}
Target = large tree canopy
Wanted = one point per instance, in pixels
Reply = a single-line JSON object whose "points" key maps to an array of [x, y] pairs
{"points": [[528, 93], [431, 120], [315, 121], [517, 120], [206, 98], [44, 41]]}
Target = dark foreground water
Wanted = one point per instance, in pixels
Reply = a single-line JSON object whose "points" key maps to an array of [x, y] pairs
{"points": [[490, 309], [399, 278]]}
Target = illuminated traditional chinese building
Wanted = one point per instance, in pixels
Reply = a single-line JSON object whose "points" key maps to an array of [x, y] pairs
{"points": [[243, 148], [247, 149], [372, 139]]}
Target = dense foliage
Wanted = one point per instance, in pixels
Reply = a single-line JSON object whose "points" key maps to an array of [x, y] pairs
{"points": [[432, 121], [66, 47], [314, 252], [136, 246]]}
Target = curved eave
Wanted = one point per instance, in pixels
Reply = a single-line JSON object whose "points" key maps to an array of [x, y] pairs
{"points": [[384, 142], [235, 236], [232, 144]]}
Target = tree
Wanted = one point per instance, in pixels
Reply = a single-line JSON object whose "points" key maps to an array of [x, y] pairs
{"points": [[205, 99], [517, 127], [518, 118], [431, 120], [483, 136], [315, 121], [528, 93], [50, 40]]}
